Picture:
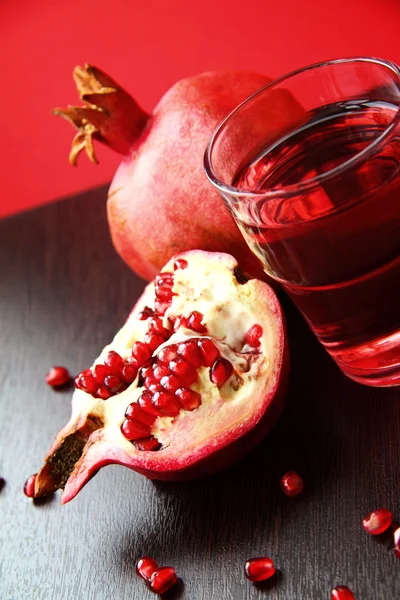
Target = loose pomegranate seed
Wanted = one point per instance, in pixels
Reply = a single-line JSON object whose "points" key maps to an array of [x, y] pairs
{"points": [[291, 484], [180, 263], [220, 371], [58, 376], [134, 430], [156, 325], [160, 370], [145, 313], [145, 402], [377, 521], [103, 392], [188, 399], [87, 383], [141, 352], [114, 384], [145, 567], [252, 337], [100, 372], [190, 351], [396, 540], [184, 370], [134, 411], [209, 352], [29, 487], [2, 483], [150, 444], [166, 404], [153, 340], [259, 569], [195, 322], [114, 362], [162, 580], [129, 373], [342, 593], [167, 353], [171, 382]]}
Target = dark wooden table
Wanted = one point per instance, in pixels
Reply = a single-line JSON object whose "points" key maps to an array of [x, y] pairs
{"points": [[63, 294]]}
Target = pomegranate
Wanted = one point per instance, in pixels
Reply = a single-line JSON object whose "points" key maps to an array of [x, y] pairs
{"points": [[188, 400], [160, 184]]}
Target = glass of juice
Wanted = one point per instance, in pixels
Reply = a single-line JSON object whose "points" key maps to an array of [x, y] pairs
{"points": [[309, 167]]}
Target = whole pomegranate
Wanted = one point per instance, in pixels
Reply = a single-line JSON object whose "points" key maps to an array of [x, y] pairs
{"points": [[160, 202], [193, 380]]}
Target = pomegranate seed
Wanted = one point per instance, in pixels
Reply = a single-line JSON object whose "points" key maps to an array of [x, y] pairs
{"points": [[342, 593], [58, 376], [396, 539], [377, 521], [103, 392], [145, 567], [145, 403], [209, 352], [291, 484], [87, 383], [185, 371], [164, 294], [29, 487], [134, 430], [180, 263], [195, 322], [166, 404], [259, 569], [2, 483], [152, 384], [134, 411], [188, 399], [129, 373], [162, 580], [220, 371], [149, 444], [167, 353], [141, 352], [160, 370], [100, 372], [161, 307], [171, 382], [156, 325], [114, 362], [146, 371], [113, 383], [153, 340], [252, 337], [190, 351], [145, 313]]}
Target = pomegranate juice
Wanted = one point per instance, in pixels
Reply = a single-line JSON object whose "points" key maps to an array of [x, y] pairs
{"points": [[335, 245]]}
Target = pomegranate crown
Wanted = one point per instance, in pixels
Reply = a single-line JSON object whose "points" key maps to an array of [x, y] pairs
{"points": [[109, 114]]}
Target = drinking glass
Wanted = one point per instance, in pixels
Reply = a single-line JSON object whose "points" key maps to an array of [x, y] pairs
{"points": [[309, 168]]}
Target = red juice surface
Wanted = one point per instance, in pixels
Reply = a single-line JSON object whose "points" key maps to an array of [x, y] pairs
{"points": [[335, 246]]}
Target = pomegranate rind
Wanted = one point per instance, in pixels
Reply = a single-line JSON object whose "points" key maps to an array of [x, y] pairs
{"points": [[230, 420]]}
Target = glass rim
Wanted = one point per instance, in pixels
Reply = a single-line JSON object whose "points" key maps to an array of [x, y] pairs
{"points": [[313, 182]]}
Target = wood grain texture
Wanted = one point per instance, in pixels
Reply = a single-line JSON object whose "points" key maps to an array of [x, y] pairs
{"points": [[63, 294]]}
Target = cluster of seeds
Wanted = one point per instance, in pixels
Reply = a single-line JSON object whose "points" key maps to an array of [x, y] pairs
{"points": [[167, 380], [158, 579]]}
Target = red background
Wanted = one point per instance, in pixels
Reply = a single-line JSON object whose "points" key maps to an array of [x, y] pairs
{"points": [[147, 46]]}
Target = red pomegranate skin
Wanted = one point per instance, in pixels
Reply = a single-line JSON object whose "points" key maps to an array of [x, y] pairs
{"points": [[160, 202]]}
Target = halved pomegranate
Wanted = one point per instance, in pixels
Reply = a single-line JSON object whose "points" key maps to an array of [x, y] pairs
{"points": [[184, 389]]}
